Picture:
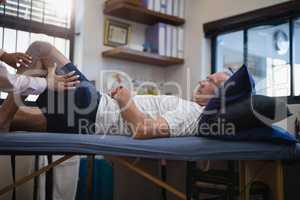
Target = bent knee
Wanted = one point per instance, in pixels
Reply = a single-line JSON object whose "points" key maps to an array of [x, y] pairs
{"points": [[40, 49]]}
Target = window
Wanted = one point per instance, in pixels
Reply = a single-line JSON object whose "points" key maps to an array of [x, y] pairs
{"points": [[230, 50], [296, 57], [266, 53], [269, 59], [267, 41], [46, 20], [55, 12]]}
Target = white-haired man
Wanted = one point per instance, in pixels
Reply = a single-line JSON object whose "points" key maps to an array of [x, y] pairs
{"points": [[86, 110]]}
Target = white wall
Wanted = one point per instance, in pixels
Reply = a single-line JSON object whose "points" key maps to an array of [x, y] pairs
{"points": [[89, 45], [197, 47]]}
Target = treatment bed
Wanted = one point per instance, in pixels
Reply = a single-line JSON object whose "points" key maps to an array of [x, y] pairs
{"points": [[116, 148]]}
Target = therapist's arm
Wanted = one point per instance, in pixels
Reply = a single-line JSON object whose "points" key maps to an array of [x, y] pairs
{"points": [[142, 126], [15, 60], [25, 85], [18, 83]]}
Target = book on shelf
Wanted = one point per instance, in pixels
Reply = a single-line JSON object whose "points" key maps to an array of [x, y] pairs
{"points": [[156, 37], [175, 8], [163, 6], [174, 42], [169, 7], [169, 41], [181, 9], [157, 5], [149, 4], [165, 40], [180, 47]]}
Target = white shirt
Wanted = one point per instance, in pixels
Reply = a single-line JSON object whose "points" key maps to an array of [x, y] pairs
{"points": [[181, 115], [20, 84]]}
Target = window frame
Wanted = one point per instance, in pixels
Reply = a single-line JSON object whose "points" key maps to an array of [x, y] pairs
{"points": [[279, 14], [28, 25]]}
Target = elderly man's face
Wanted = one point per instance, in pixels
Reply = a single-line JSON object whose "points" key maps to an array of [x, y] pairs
{"points": [[2, 1], [206, 88]]}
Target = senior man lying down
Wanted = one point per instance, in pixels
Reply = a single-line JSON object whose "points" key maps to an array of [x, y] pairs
{"points": [[85, 110]]}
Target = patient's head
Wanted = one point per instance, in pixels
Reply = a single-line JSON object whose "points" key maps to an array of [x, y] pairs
{"points": [[206, 88]]}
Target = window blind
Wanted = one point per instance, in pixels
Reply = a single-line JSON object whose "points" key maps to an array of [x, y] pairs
{"points": [[53, 12]]}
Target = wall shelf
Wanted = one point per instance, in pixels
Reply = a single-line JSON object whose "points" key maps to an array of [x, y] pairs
{"points": [[140, 14], [141, 57]]}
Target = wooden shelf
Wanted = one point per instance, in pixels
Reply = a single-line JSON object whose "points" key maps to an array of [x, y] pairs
{"points": [[141, 57], [140, 14]]}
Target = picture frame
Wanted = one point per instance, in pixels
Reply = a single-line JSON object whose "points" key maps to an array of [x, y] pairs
{"points": [[117, 33]]}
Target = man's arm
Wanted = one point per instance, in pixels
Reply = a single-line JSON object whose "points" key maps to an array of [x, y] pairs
{"points": [[142, 126]]}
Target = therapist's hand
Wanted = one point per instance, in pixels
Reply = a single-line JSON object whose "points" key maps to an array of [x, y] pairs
{"points": [[61, 82], [16, 60]]}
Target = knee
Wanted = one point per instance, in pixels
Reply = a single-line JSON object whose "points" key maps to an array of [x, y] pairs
{"points": [[40, 45], [40, 49]]}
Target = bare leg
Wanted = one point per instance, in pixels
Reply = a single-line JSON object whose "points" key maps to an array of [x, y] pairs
{"points": [[13, 118], [44, 56], [7, 112], [29, 119]]}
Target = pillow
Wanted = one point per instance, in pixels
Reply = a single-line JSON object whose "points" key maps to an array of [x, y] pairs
{"points": [[240, 110], [251, 112], [272, 134], [239, 86]]}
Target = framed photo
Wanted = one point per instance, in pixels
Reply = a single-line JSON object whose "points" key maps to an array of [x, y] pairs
{"points": [[116, 33]]}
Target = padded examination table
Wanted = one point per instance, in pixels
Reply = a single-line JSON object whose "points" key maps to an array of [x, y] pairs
{"points": [[181, 148]]}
